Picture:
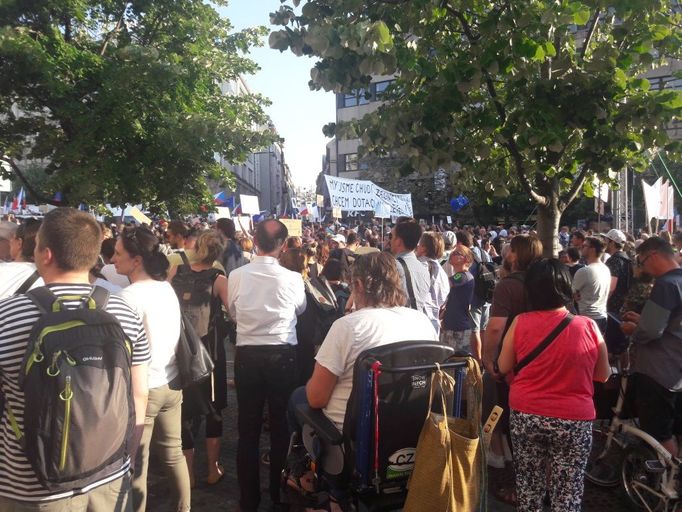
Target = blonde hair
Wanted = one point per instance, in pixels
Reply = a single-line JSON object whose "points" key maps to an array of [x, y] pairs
{"points": [[209, 247], [378, 272], [433, 244]]}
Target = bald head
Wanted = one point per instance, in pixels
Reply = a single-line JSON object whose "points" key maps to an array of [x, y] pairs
{"points": [[270, 236]]}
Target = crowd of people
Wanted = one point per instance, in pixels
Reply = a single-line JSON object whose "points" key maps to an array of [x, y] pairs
{"points": [[300, 309]]}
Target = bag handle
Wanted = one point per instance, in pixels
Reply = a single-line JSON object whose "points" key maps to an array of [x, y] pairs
{"points": [[543, 344], [446, 385]]}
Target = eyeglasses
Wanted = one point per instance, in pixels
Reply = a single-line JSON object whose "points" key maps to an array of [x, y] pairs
{"points": [[640, 263]]}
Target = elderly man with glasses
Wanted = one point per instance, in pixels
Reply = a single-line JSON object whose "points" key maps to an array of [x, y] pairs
{"points": [[657, 335]]}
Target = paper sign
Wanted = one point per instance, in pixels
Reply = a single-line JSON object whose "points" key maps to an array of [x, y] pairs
{"points": [[223, 213], [242, 223], [336, 213], [320, 200], [294, 226], [382, 211], [249, 204], [449, 219]]}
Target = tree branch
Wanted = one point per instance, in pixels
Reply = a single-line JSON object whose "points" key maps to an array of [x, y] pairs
{"points": [[15, 169], [590, 33], [521, 174], [116, 29], [570, 195]]}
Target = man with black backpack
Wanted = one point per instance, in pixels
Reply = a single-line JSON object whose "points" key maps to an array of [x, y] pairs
{"points": [[73, 363]]}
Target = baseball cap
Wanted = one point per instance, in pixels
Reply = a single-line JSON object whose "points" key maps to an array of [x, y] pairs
{"points": [[615, 235], [449, 237], [339, 238], [7, 229]]}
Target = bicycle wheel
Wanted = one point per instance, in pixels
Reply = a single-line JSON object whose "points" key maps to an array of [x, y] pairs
{"points": [[603, 469], [641, 486]]}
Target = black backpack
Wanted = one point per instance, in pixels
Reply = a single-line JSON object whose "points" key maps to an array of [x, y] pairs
{"points": [[195, 294], [79, 413], [485, 279]]}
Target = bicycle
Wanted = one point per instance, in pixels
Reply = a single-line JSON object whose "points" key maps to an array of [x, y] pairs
{"points": [[623, 453]]}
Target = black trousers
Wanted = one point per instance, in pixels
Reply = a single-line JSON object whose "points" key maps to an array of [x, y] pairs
{"points": [[262, 373]]}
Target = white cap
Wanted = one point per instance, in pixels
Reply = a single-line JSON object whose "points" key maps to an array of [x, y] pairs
{"points": [[339, 238], [616, 235]]}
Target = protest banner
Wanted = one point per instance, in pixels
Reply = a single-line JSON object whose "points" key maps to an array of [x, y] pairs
{"points": [[363, 195]]}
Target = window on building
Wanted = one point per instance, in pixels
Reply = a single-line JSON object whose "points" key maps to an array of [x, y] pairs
{"points": [[355, 98], [380, 88], [350, 162]]}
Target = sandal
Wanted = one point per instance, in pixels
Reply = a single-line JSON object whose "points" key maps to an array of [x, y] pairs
{"points": [[507, 495]]}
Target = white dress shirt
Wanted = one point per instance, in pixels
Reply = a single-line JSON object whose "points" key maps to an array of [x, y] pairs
{"points": [[264, 300]]}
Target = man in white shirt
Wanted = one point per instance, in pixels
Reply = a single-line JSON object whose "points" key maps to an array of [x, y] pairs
{"points": [[20, 274], [591, 283], [264, 300]]}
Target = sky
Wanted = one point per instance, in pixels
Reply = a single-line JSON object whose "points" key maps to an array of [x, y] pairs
{"points": [[297, 112]]}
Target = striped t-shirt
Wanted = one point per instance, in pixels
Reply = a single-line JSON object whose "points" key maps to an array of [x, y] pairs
{"points": [[17, 316]]}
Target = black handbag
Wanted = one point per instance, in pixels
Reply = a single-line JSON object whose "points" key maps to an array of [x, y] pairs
{"points": [[191, 356]]}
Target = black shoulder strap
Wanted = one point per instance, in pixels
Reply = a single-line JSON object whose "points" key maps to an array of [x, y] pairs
{"points": [[543, 344], [408, 283], [101, 297], [43, 298], [184, 257], [26, 285]]}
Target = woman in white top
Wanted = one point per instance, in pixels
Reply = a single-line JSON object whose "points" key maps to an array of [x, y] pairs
{"points": [[138, 257]]}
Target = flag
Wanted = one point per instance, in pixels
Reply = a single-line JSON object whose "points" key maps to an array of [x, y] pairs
{"points": [[304, 211], [652, 194], [667, 197], [237, 210], [459, 202], [5, 207], [220, 198], [20, 198], [15, 204]]}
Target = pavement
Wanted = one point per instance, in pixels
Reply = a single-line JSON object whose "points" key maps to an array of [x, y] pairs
{"points": [[224, 495]]}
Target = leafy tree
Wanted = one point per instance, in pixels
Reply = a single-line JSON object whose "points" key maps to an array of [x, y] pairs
{"points": [[536, 94], [122, 99]]}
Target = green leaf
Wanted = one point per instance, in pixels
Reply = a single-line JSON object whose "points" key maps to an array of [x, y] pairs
{"points": [[620, 78], [581, 16], [550, 50], [642, 84]]}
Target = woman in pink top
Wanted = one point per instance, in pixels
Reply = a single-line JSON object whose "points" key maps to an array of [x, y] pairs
{"points": [[551, 397]]}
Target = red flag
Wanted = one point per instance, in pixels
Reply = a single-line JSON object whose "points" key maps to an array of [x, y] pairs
{"points": [[15, 203]]}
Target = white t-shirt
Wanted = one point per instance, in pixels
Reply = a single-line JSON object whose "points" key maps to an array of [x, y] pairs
{"points": [[592, 282], [110, 274], [12, 276], [355, 333], [158, 307]]}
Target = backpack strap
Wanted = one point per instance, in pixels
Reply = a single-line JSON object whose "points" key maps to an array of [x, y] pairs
{"points": [[408, 283], [101, 297], [543, 344], [26, 285], [43, 298], [185, 258]]}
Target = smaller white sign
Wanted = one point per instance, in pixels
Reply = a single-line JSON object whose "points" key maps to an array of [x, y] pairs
{"points": [[249, 204], [223, 213], [336, 213], [243, 223], [449, 219]]}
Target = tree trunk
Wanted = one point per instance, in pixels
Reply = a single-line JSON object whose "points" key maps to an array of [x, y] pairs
{"points": [[548, 229]]}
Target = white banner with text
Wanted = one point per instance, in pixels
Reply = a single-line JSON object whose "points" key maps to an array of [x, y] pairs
{"points": [[363, 195]]}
